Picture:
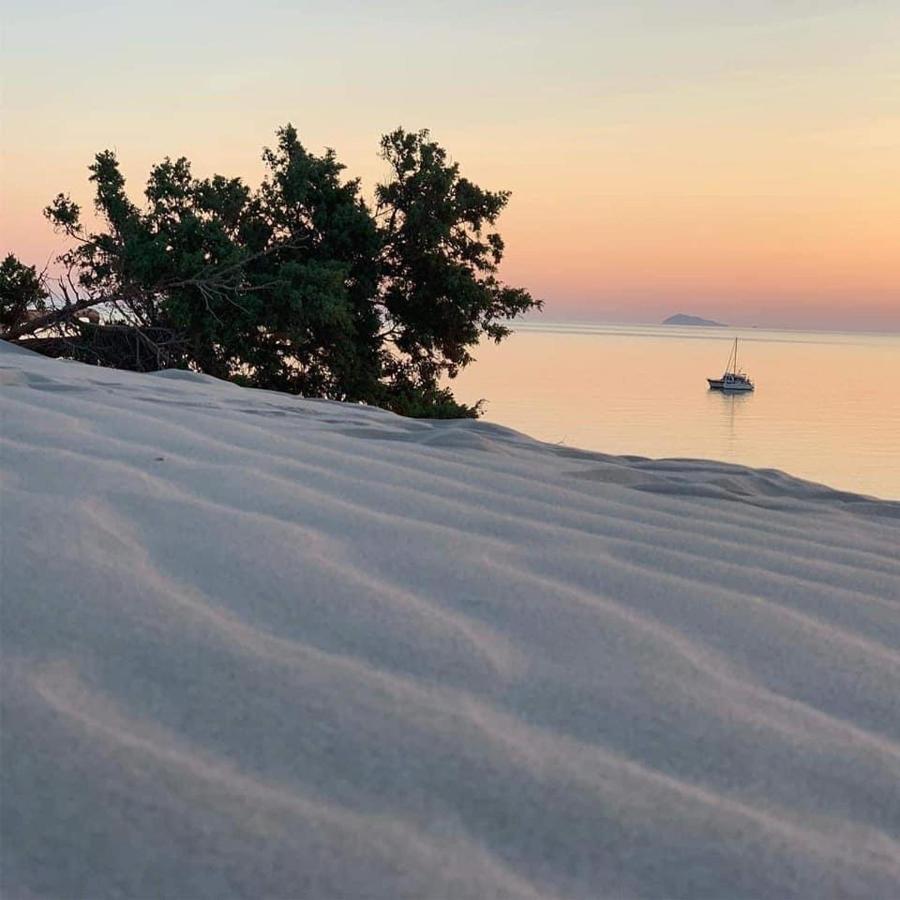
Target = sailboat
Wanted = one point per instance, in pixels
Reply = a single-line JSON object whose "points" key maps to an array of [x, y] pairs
{"points": [[733, 379]]}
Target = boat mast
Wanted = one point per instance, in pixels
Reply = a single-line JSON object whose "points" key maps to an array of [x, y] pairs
{"points": [[732, 359]]}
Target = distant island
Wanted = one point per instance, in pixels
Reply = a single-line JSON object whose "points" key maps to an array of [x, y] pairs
{"points": [[682, 319]]}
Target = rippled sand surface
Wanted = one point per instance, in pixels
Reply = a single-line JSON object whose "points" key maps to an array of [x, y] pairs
{"points": [[256, 646]]}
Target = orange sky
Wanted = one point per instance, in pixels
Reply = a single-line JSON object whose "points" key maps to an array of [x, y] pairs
{"points": [[663, 157]]}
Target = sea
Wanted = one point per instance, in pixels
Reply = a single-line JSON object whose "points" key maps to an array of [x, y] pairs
{"points": [[826, 406]]}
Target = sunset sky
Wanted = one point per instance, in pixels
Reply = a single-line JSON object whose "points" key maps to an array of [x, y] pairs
{"points": [[739, 160]]}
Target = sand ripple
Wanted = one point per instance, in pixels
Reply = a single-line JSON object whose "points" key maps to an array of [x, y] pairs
{"points": [[255, 646]]}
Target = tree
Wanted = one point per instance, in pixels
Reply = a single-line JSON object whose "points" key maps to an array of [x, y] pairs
{"points": [[297, 285], [22, 293], [272, 287], [319, 269], [440, 292]]}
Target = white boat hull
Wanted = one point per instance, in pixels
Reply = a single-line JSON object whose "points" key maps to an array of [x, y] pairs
{"points": [[718, 384]]}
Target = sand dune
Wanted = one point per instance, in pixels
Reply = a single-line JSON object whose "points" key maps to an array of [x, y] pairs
{"points": [[257, 646]]}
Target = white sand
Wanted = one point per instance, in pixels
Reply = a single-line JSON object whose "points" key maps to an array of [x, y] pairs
{"points": [[255, 646]]}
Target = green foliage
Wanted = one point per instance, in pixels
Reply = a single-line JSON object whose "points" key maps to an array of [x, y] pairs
{"points": [[21, 290], [440, 291], [425, 401], [298, 285]]}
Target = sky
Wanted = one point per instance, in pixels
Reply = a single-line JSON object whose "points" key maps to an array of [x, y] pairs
{"points": [[737, 160]]}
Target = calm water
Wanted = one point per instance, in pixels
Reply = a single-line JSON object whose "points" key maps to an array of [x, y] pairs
{"points": [[826, 405]]}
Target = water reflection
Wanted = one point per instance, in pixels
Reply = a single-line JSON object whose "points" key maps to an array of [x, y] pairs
{"points": [[730, 405]]}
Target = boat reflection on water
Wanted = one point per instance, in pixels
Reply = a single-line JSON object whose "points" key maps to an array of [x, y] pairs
{"points": [[735, 407]]}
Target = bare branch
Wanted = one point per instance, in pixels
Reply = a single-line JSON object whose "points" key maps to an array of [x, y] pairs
{"points": [[50, 318]]}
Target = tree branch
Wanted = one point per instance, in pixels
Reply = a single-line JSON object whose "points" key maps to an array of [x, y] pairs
{"points": [[53, 317]]}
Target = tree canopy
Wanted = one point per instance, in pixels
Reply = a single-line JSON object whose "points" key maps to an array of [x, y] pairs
{"points": [[297, 285], [22, 293]]}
